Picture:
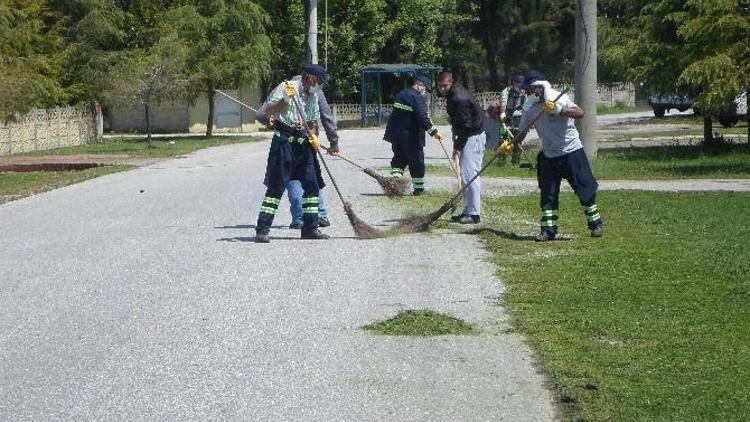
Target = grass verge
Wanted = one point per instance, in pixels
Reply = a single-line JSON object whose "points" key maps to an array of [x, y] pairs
{"points": [[139, 148], [421, 322], [649, 322], [665, 162], [18, 185]]}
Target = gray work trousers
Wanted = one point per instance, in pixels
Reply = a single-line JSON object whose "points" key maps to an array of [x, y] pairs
{"points": [[471, 163]]}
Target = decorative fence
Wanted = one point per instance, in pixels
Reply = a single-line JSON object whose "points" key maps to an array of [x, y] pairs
{"points": [[48, 129], [608, 94]]}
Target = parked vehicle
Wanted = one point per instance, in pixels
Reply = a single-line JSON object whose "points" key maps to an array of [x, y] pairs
{"points": [[728, 116]]}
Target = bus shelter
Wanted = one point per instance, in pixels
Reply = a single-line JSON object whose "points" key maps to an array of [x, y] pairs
{"points": [[378, 71]]}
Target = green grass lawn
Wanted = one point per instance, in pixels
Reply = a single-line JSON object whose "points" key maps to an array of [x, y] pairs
{"points": [[667, 162], [18, 185], [160, 147], [649, 322]]}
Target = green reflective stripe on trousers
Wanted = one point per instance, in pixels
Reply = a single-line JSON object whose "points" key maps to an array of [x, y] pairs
{"points": [[548, 223], [310, 210], [310, 200], [549, 213], [418, 182], [402, 107], [432, 131], [592, 213], [395, 171], [270, 200], [268, 210]]}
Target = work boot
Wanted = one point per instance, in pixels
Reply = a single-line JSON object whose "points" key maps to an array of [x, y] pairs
{"points": [[545, 236], [598, 231], [295, 226], [418, 192], [323, 222], [469, 219], [262, 235], [315, 234]]}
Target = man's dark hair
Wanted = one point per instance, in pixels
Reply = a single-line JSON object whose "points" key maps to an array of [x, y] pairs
{"points": [[445, 75]]}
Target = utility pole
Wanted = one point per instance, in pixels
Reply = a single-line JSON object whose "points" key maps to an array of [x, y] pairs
{"points": [[585, 74], [311, 7]]}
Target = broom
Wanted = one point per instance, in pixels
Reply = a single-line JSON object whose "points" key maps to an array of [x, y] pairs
{"points": [[420, 223], [361, 229], [392, 186]]}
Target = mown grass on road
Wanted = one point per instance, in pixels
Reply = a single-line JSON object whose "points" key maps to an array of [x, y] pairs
{"points": [[726, 161], [647, 323]]}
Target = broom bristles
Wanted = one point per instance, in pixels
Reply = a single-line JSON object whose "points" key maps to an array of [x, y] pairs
{"points": [[392, 186], [421, 223], [361, 229]]}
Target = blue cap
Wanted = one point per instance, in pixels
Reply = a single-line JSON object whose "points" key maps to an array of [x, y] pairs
{"points": [[532, 77], [318, 71], [424, 80]]}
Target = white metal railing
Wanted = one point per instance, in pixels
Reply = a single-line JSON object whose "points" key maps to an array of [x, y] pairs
{"points": [[609, 94]]}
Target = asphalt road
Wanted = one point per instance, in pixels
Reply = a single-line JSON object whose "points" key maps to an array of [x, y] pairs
{"points": [[141, 296]]}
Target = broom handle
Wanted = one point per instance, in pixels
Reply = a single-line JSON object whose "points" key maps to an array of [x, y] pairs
{"points": [[453, 167], [235, 100], [492, 160], [300, 113]]}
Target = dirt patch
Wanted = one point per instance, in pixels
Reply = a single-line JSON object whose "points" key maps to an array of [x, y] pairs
{"points": [[68, 162]]}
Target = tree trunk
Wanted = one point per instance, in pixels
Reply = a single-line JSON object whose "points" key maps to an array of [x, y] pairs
{"points": [[211, 110], [148, 123], [708, 135]]}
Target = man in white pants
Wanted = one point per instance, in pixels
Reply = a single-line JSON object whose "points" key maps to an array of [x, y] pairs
{"points": [[467, 122]]}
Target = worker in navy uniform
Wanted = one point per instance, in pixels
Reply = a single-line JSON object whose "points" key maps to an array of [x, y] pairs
{"points": [[293, 152], [406, 132]]}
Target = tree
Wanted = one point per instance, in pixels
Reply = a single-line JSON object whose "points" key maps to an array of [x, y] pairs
{"points": [[227, 45], [698, 47], [148, 76], [30, 58], [717, 33]]}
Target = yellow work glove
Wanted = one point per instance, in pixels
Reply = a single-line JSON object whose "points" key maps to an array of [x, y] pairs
{"points": [[550, 107], [439, 136], [290, 91], [314, 142], [505, 148]]}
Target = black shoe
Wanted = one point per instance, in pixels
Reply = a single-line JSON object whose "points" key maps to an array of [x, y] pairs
{"points": [[545, 236], [316, 234], [457, 218], [295, 226], [598, 231], [418, 192], [262, 236], [323, 222], [469, 219]]}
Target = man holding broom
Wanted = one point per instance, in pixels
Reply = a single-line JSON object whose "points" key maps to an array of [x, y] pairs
{"points": [[467, 122], [293, 153], [405, 131], [562, 155]]}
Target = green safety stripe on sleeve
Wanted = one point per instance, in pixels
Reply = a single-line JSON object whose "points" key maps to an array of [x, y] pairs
{"points": [[404, 107], [432, 131]]}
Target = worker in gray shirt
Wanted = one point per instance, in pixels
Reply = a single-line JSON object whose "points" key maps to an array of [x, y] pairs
{"points": [[294, 187]]}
